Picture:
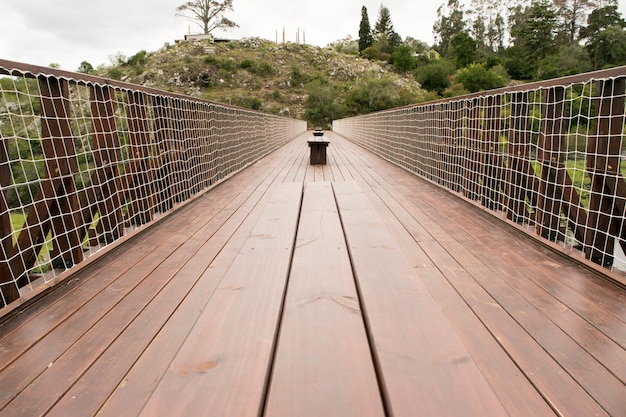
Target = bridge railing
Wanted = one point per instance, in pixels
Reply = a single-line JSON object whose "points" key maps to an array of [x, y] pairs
{"points": [[85, 160], [549, 155]]}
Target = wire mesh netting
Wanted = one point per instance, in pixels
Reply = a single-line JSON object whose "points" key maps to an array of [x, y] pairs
{"points": [[84, 162], [548, 156]]}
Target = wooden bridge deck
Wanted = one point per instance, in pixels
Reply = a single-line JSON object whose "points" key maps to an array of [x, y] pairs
{"points": [[351, 289]]}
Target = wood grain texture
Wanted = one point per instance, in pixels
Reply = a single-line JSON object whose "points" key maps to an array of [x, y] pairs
{"points": [[458, 313], [425, 367], [323, 363], [223, 366]]}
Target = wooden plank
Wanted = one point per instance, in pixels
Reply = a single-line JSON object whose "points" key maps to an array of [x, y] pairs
{"points": [[36, 360], [425, 369], [323, 363], [193, 257], [56, 204], [140, 171], [109, 198], [491, 251], [44, 391], [573, 321], [517, 394], [223, 366], [142, 354], [604, 148], [556, 189], [99, 276], [522, 182], [551, 380], [592, 377], [600, 304]]}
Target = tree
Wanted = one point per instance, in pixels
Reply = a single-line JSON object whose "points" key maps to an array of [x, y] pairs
{"points": [[383, 30], [402, 58], [321, 104], [610, 48], [435, 76], [375, 94], [572, 15], [208, 14], [365, 31], [463, 49], [477, 77], [495, 33], [85, 67], [534, 30], [602, 25], [448, 25]]}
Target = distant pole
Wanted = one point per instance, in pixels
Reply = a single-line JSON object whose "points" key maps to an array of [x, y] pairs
{"points": [[303, 37], [283, 35]]}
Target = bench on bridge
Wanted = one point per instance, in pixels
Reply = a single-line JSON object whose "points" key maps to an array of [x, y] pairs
{"points": [[318, 148]]}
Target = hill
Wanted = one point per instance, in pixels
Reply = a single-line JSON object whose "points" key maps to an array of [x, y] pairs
{"points": [[300, 81]]}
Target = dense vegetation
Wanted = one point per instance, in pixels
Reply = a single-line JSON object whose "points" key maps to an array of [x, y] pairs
{"points": [[480, 47], [301, 81], [491, 42]]}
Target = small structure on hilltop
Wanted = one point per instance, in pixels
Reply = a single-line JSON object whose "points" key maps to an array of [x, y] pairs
{"points": [[200, 37]]}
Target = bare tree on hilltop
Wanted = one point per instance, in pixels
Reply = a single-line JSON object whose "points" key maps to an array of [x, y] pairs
{"points": [[208, 14]]}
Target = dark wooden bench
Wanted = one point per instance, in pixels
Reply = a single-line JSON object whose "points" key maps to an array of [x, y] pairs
{"points": [[318, 148]]}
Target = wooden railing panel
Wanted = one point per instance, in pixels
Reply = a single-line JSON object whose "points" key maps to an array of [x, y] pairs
{"points": [[114, 156], [10, 291], [605, 223], [534, 154]]}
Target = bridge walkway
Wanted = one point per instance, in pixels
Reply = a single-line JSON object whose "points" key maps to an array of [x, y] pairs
{"points": [[353, 288]]}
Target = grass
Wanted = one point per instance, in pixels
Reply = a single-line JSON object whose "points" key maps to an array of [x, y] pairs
{"points": [[42, 265]]}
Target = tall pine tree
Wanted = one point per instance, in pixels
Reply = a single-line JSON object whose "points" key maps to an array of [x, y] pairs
{"points": [[365, 31], [384, 32]]}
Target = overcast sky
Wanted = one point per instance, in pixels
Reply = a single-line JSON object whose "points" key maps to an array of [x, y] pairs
{"points": [[68, 32]]}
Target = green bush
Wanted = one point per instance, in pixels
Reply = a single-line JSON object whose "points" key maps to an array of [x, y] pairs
{"points": [[402, 59], [298, 78], [321, 104], [477, 77], [263, 69], [138, 60], [114, 73], [375, 94], [249, 102], [435, 76]]}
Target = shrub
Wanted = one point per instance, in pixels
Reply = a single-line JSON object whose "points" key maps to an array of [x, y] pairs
{"points": [[298, 78], [262, 68], [321, 105], [477, 78], [435, 76], [114, 73], [138, 60], [402, 59], [377, 94]]}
